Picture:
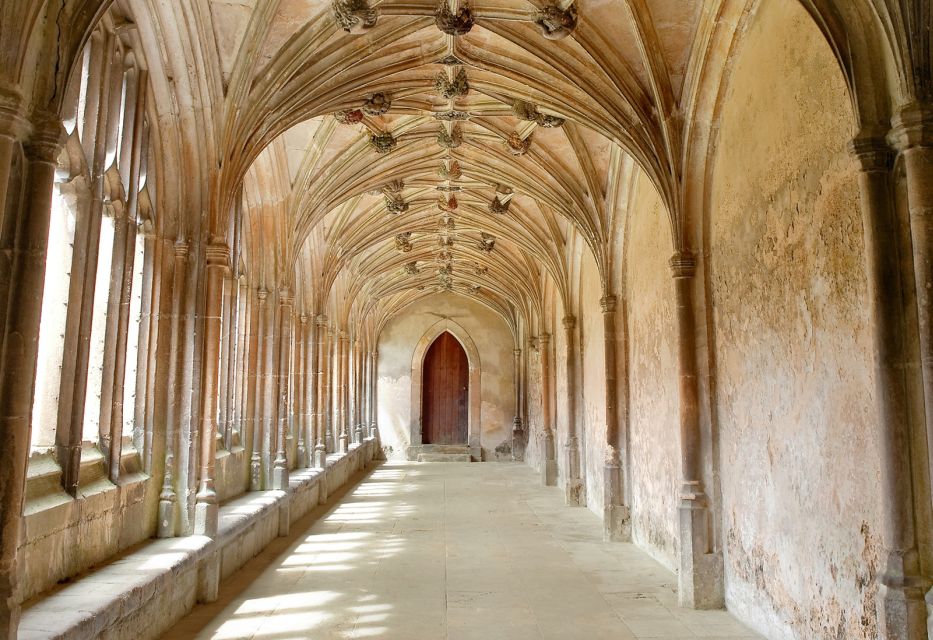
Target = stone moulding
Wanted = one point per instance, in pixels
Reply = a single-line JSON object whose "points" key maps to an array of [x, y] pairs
{"points": [[355, 16], [382, 142], [555, 23], [528, 112], [452, 172], [452, 115], [449, 204], [453, 24]]}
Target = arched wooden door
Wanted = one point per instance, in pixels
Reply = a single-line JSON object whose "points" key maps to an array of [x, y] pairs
{"points": [[445, 395]]}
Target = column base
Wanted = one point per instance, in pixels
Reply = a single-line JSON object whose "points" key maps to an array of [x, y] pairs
{"points": [[302, 454], [549, 473], [343, 444], [166, 528], [904, 602], [372, 430], [280, 476], [518, 445], [320, 457], [255, 473], [617, 523], [575, 493], [700, 580], [206, 516], [329, 443]]}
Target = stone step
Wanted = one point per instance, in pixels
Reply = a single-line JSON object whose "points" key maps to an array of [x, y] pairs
{"points": [[444, 448], [444, 457]]}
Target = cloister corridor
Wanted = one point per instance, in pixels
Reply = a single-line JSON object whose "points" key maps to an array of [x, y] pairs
{"points": [[459, 551]]}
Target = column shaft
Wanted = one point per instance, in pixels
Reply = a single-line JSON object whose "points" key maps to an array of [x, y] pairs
{"points": [[518, 432], [549, 454], [343, 408], [280, 470], [616, 516], [320, 448], [574, 488], [255, 466]]}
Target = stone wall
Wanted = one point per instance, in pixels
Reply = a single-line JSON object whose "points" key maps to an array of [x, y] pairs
{"points": [[592, 383], [794, 392], [495, 344], [653, 404]]}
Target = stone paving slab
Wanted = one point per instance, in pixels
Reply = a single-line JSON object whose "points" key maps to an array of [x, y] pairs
{"points": [[455, 552]]}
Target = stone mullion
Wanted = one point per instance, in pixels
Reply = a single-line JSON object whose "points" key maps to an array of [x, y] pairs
{"points": [[241, 364], [206, 509], [227, 355], [358, 385], [256, 483], [330, 439], [112, 323], [902, 599], [73, 395], [280, 466], [374, 392], [518, 433], [20, 342], [310, 392], [149, 285], [549, 455], [168, 498], [616, 517], [574, 489], [300, 390], [320, 380], [343, 401], [351, 390]]}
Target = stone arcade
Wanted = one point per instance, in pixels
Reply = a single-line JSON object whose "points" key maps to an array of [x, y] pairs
{"points": [[664, 267]]}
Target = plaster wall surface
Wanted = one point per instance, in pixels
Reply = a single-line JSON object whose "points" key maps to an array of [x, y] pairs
{"points": [[800, 462], [592, 382], [495, 344], [653, 395]]}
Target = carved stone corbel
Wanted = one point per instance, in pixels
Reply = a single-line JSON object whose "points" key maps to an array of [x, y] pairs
{"points": [[450, 140], [453, 24], [382, 142], [556, 23], [460, 86], [377, 104], [403, 242], [486, 243], [349, 116], [517, 145]]}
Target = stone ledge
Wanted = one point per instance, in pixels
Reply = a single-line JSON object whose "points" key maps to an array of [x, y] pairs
{"points": [[143, 593]]}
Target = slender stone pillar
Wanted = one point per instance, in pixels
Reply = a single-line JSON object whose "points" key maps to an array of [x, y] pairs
{"points": [[206, 508], [301, 382], [342, 410], [575, 491], [280, 466], [904, 612], [168, 503], [549, 455], [331, 389], [269, 400], [320, 446], [700, 576], [616, 514], [518, 433], [352, 398], [255, 464], [310, 400], [373, 395], [358, 380], [20, 343]]}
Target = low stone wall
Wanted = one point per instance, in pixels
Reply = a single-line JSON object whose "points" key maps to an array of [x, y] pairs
{"points": [[142, 594]]}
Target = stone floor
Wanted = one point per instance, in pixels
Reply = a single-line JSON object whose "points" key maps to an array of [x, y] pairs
{"points": [[455, 551]]}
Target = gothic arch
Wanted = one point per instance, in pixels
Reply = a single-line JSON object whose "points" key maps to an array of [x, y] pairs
{"points": [[417, 374]]}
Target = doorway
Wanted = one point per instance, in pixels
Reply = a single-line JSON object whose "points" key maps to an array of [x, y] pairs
{"points": [[445, 397]]}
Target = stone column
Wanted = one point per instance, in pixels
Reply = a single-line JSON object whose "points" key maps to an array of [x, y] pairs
{"points": [[301, 380], [358, 382], [373, 395], [342, 410], [310, 400], [549, 455], [269, 400], [617, 515], [700, 576], [20, 340], [574, 490], [320, 447], [280, 466], [255, 464], [206, 507], [330, 439], [352, 397], [168, 503], [518, 433], [904, 612]]}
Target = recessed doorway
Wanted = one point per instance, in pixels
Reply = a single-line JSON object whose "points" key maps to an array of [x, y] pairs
{"points": [[446, 392]]}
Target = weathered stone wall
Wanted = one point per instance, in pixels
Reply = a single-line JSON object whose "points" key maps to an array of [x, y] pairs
{"points": [[495, 344], [592, 383], [654, 421], [800, 464]]}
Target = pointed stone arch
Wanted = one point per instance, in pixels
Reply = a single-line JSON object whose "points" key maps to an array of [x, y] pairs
{"points": [[474, 403]]}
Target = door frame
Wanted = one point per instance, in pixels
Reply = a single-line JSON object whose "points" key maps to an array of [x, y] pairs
{"points": [[474, 403]]}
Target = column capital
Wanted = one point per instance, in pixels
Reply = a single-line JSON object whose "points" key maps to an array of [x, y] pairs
{"points": [[217, 253], [321, 320], [683, 264], [181, 248], [544, 339], [873, 153], [285, 296], [517, 352], [13, 123], [262, 293], [608, 303], [912, 127], [303, 318], [46, 140], [570, 322]]}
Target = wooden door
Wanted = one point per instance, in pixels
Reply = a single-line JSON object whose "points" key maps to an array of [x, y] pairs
{"points": [[445, 394]]}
